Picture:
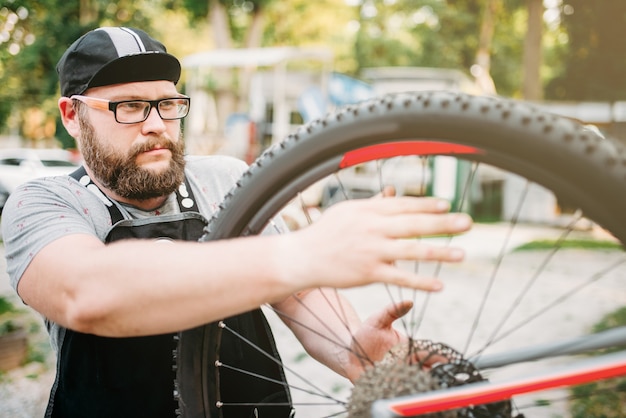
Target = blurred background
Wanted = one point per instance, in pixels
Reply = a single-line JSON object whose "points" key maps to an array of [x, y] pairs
{"points": [[257, 69]]}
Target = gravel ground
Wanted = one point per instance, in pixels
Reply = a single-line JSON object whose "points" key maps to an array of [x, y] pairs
{"points": [[24, 391]]}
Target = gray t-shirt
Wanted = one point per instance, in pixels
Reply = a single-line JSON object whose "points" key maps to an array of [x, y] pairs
{"points": [[44, 210]]}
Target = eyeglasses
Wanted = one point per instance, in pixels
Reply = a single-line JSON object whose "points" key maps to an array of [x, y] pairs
{"points": [[135, 111]]}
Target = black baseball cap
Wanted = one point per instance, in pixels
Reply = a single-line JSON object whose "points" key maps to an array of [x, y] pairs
{"points": [[114, 55]]}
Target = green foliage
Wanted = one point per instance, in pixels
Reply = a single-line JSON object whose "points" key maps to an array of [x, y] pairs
{"points": [[6, 306], [582, 54], [442, 34], [594, 67], [239, 13], [300, 357], [605, 398], [589, 244], [11, 318], [28, 75], [14, 319], [323, 23], [507, 50], [542, 402], [197, 9], [8, 326], [406, 33], [613, 320]]}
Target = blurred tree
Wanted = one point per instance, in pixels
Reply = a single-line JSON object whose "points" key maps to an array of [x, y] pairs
{"points": [[241, 24], [445, 34], [234, 23], [324, 23], [482, 66], [390, 34], [592, 48], [581, 46], [35, 40], [532, 88]]}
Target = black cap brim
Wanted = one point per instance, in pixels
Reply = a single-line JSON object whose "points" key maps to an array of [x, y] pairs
{"points": [[149, 66]]}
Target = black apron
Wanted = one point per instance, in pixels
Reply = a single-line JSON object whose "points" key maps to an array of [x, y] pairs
{"points": [[134, 377]]}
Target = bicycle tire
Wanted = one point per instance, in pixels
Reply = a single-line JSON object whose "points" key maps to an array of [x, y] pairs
{"points": [[553, 151]]}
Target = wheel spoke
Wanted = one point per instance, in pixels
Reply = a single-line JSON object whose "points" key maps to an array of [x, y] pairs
{"points": [[529, 284], [317, 390], [496, 267]]}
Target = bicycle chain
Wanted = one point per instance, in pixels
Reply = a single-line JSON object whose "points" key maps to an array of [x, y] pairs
{"points": [[403, 372]]}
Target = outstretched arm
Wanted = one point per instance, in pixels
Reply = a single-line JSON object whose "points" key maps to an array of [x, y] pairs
{"points": [[131, 288]]}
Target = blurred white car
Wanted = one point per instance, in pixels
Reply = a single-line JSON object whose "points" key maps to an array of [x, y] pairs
{"points": [[18, 165]]}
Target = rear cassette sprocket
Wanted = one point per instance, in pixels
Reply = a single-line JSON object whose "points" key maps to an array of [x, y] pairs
{"points": [[420, 366]]}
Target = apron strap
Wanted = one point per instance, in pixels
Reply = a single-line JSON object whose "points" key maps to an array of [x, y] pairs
{"points": [[80, 175], [184, 195], [186, 201]]}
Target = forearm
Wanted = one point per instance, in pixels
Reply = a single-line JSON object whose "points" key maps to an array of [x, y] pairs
{"points": [[325, 323], [141, 288]]}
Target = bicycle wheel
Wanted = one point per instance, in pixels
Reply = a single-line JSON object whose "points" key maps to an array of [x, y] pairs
{"points": [[501, 160]]}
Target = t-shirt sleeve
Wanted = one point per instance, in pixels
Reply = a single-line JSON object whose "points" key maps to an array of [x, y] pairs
{"points": [[216, 175], [42, 211]]}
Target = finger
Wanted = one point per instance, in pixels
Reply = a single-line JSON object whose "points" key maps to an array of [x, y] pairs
{"points": [[392, 312], [410, 249], [387, 191], [426, 224], [403, 205], [399, 309], [391, 274], [426, 358]]}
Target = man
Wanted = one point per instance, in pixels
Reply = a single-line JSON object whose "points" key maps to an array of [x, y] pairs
{"points": [[113, 300]]}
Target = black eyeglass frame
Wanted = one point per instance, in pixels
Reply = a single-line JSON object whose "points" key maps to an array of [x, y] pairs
{"points": [[105, 104]]}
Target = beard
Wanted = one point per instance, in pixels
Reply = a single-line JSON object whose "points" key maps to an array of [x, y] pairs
{"points": [[121, 174]]}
